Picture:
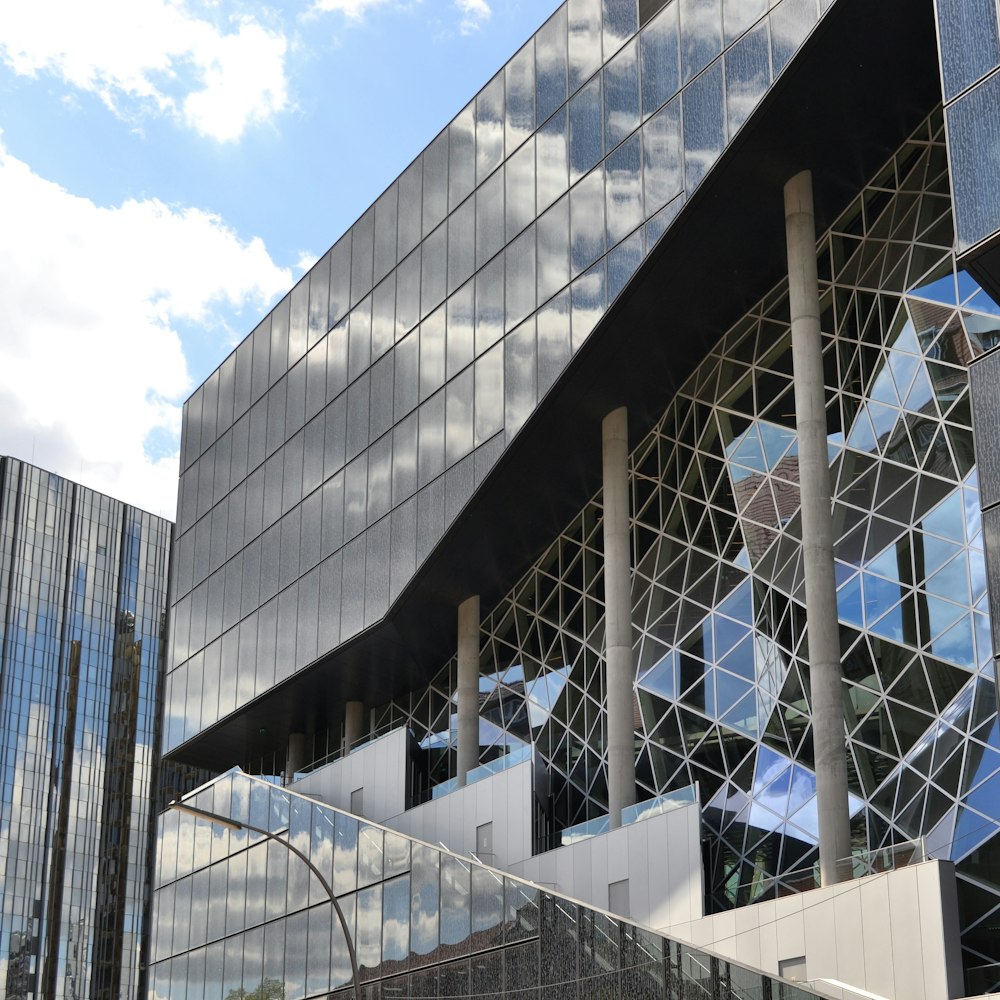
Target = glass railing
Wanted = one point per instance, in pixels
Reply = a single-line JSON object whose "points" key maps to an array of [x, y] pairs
{"points": [[858, 865], [661, 804], [491, 767], [630, 814]]}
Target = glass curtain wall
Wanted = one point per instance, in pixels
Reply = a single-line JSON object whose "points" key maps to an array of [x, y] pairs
{"points": [[327, 455], [83, 583], [239, 916]]}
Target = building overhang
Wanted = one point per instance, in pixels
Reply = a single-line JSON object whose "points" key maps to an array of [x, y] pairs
{"points": [[854, 91]]}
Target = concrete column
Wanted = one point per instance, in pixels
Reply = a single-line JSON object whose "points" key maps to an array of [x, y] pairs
{"points": [[468, 687], [825, 672], [297, 756], [354, 723], [618, 616]]}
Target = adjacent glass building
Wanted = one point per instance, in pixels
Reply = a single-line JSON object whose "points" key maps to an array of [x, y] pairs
{"points": [[419, 421], [83, 581]]}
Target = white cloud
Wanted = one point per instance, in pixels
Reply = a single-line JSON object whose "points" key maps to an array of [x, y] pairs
{"points": [[354, 9], [92, 369], [153, 55], [475, 13]]}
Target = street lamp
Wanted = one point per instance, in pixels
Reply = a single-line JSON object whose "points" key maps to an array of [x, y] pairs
{"points": [[232, 824]]}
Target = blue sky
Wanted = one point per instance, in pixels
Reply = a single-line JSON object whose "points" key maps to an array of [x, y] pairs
{"points": [[167, 169]]}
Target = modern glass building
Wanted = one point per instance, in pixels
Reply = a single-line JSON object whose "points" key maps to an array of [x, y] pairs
{"points": [[83, 581], [411, 456]]}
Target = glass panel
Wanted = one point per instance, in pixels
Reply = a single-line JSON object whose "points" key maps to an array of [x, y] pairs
{"points": [[520, 911], [621, 22], [621, 96], [358, 411], [623, 262], [624, 189], [461, 157], [404, 459], [382, 394], [430, 456], [739, 15], [748, 75], [552, 160], [397, 854], [489, 218], [973, 132], [318, 956], [487, 908], [791, 21], [704, 125], [489, 304], [489, 394], [585, 55], [379, 478], [384, 316], [408, 294], [520, 278], [425, 903], [359, 353], [589, 300], [407, 375], [521, 970], [338, 342], [660, 57], [487, 976], [458, 411], [340, 279], [520, 96], [432, 353], [461, 244], [586, 117], [410, 184], [362, 251], [520, 189], [461, 329], [434, 277], [559, 937], [701, 34], [587, 221], [455, 889], [453, 979], [662, 167], [370, 854], [553, 249], [345, 855], [369, 940], [519, 376], [396, 923], [385, 232], [296, 943], [489, 127], [550, 65], [554, 343], [435, 160]]}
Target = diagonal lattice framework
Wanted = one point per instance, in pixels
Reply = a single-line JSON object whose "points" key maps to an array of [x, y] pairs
{"points": [[722, 694]]}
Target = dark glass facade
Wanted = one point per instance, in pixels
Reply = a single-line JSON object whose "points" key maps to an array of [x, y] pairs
{"points": [[238, 915], [330, 452], [83, 582]]}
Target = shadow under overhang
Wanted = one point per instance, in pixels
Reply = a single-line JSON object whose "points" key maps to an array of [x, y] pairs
{"points": [[856, 89]]}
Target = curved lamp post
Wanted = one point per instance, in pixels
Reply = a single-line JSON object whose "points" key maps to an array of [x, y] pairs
{"points": [[233, 824]]}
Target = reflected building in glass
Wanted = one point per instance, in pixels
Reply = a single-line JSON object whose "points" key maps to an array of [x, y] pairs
{"points": [[514, 479], [83, 582]]}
